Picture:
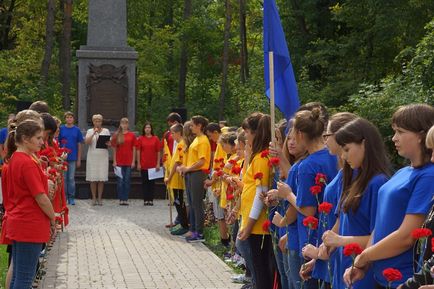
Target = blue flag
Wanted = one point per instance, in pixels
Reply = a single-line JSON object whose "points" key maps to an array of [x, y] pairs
{"points": [[285, 87]]}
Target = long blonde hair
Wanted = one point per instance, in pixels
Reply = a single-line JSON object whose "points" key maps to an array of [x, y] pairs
{"points": [[120, 132]]}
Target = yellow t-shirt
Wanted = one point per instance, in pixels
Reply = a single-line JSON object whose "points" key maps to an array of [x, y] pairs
{"points": [[218, 155], [199, 148], [167, 156], [177, 182], [224, 187], [258, 165]]}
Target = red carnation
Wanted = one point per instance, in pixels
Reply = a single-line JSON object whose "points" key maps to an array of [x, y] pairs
{"points": [[392, 274], [206, 171], [233, 162], [217, 169], [265, 153], [352, 249], [274, 162], [229, 197], [58, 219], [222, 165], [325, 208], [236, 170], [266, 225], [258, 176], [320, 179], [219, 173], [52, 171], [420, 233], [315, 190], [310, 222]]}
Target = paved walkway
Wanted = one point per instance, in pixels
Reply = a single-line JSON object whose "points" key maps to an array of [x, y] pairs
{"points": [[128, 247]]}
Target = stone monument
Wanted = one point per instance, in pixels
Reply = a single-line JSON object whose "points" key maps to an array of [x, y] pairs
{"points": [[106, 66]]}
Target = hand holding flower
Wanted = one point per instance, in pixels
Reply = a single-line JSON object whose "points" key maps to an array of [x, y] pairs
{"points": [[331, 239], [277, 219], [353, 274], [310, 252], [306, 270], [283, 190]]}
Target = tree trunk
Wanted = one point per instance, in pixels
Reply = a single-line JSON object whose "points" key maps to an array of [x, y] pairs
{"points": [[244, 68], [225, 64], [49, 40], [184, 57], [65, 53], [5, 24]]}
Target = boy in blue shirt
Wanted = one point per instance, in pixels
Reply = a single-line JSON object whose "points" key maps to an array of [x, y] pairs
{"points": [[70, 137]]}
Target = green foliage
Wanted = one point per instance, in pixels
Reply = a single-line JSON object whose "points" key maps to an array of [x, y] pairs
{"points": [[362, 56]]}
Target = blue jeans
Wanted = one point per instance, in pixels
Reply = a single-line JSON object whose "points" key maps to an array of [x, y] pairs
{"points": [[25, 260], [124, 183], [69, 177], [246, 252], [294, 263], [281, 259]]}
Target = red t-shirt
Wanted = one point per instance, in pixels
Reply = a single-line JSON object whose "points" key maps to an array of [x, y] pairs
{"points": [[3, 239], [26, 221], [213, 145], [124, 152], [149, 148], [169, 139]]}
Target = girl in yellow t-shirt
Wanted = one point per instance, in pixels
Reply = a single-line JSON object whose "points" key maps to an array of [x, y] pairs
{"points": [[175, 181], [198, 160], [256, 181]]}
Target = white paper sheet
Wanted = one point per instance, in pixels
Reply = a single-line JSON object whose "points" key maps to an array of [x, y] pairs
{"points": [[118, 171], [154, 174]]}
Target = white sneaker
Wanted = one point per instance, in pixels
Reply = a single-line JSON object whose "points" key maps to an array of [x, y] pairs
{"points": [[240, 278]]}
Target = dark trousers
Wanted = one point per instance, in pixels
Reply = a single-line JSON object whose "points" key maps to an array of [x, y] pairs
{"points": [[264, 263], [180, 207], [378, 286], [194, 184], [147, 186]]}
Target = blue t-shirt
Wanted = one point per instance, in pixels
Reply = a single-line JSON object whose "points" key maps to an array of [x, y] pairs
{"points": [[332, 194], [409, 191], [292, 229], [318, 162], [70, 137], [3, 135], [359, 223]]}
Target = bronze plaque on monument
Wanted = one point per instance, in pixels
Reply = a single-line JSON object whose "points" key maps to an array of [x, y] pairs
{"points": [[107, 93]]}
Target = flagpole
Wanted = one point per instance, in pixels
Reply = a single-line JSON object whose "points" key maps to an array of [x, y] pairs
{"points": [[272, 106]]}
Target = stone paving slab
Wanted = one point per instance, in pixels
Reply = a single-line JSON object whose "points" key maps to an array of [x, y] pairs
{"points": [[114, 246]]}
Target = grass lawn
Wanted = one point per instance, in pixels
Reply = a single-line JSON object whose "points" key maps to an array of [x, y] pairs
{"points": [[212, 241], [3, 265]]}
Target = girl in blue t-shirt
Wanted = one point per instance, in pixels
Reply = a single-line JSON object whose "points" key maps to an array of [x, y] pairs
{"points": [[295, 153], [405, 200], [364, 172], [308, 129], [323, 268]]}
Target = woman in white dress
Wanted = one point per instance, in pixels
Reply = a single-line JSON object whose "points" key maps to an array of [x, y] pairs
{"points": [[97, 161]]}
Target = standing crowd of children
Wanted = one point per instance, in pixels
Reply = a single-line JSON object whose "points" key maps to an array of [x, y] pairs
{"points": [[317, 207]]}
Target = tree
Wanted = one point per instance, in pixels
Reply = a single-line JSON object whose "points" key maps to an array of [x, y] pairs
{"points": [[65, 52], [6, 13], [225, 60], [184, 56], [49, 40]]}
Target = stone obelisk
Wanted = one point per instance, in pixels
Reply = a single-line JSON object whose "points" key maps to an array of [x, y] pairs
{"points": [[106, 66]]}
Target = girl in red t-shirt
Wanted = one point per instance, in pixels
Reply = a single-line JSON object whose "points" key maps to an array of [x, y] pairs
{"points": [[148, 156], [124, 157], [31, 212]]}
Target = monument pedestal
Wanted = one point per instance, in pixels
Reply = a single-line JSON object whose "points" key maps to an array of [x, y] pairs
{"points": [[106, 85]]}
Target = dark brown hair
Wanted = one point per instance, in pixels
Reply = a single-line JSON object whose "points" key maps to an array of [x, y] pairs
{"points": [[375, 161], [324, 115], [417, 118], [39, 106], [144, 126], [177, 127], [340, 119], [228, 138], [174, 117], [203, 121], [309, 123], [212, 127], [187, 135], [259, 124], [26, 129]]}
